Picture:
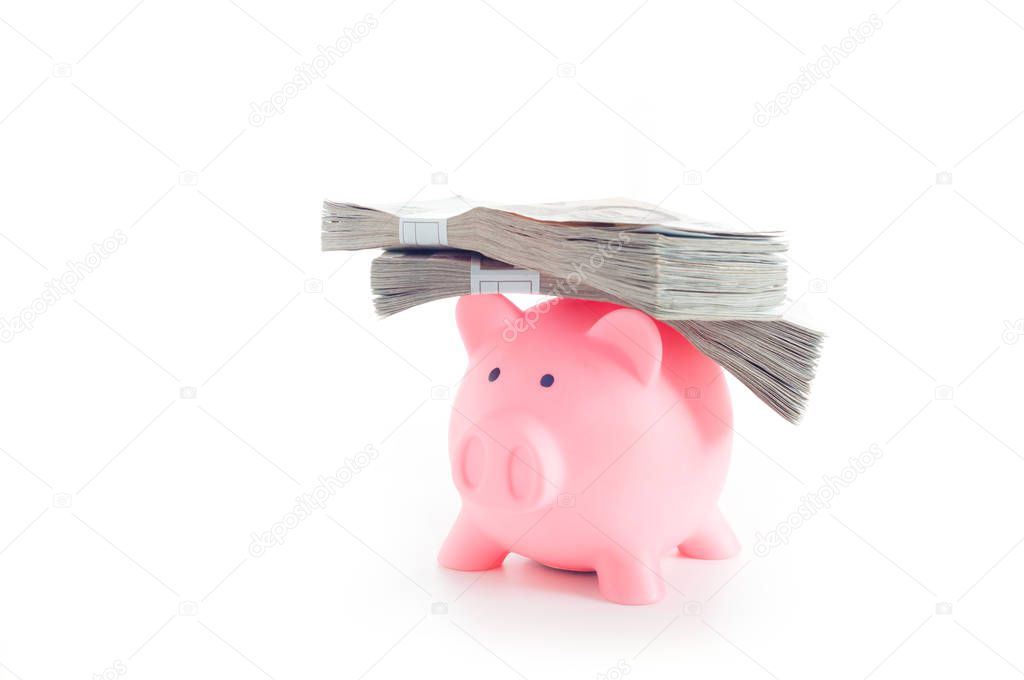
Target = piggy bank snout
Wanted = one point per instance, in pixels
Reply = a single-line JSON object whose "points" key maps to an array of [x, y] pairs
{"points": [[496, 464]]}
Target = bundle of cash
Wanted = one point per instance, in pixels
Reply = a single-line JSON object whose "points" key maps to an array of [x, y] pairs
{"points": [[664, 264], [720, 288], [774, 358]]}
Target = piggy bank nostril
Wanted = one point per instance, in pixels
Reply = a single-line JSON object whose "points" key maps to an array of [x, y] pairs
{"points": [[471, 467], [523, 474]]}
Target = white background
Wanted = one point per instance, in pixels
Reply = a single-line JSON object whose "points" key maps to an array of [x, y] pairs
{"points": [[126, 510]]}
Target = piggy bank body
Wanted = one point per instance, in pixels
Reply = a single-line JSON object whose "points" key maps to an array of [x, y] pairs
{"points": [[589, 437]]}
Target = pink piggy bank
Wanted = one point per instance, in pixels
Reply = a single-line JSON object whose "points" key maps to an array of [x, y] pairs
{"points": [[589, 437]]}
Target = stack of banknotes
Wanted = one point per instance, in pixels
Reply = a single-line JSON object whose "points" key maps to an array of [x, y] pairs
{"points": [[721, 289]]}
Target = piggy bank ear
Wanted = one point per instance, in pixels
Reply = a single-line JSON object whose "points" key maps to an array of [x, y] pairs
{"points": [[632, 339], [483, 319]]}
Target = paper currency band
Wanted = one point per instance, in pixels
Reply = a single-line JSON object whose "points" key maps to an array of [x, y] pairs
{"points": [[507, 280], [418, 231]]}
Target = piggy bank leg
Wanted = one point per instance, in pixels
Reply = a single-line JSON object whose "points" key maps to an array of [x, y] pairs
{"points": [[628, 580], [714, 540], [469, 549]]}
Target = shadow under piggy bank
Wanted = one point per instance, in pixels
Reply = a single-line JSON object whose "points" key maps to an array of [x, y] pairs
{"points": [[519, 578]]}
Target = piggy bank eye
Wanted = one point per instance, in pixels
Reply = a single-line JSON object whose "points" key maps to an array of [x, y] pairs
{"points": [[493, 375], [547, 380]]}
